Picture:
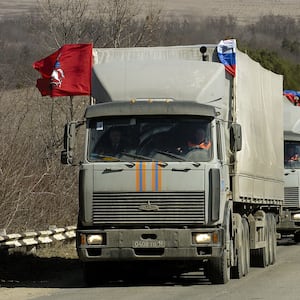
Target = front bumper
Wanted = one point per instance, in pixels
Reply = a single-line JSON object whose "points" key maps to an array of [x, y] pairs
{"points": [[287, 224], [149, 244]]}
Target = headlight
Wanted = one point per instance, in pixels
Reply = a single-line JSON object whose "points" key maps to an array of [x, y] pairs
{"points": [[95, 239], [296, 217], [201, 238]]}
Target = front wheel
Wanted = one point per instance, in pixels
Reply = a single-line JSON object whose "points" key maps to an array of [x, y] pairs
{"points": [[90, 274], [238, 270], [297, 237], [217, 269], [98, 273]]}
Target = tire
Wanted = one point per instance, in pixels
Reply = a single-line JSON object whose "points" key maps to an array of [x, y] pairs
{"points": [[96, 273], [275, 240], [89, 274], [297, 237], [238, 271], [217, 269], [272, 239], [247, 245], [268, 240], [260, 256]]}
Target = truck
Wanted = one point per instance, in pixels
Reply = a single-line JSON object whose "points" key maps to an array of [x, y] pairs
{"points": [[164, 205], [289, 222]]}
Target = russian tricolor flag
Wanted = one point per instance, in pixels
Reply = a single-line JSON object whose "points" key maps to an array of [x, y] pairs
{"points": [[293, 96], [227, 52]]}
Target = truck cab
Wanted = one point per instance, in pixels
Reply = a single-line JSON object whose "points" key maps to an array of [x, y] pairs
{"points": [[166, 178], [290, 218]]}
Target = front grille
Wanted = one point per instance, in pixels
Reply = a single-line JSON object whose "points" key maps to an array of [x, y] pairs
{"points": [[148, 208], [291, 197]]}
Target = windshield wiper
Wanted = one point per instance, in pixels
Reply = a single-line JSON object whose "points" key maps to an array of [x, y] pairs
{"points": [[181, 158], [137, 156]]}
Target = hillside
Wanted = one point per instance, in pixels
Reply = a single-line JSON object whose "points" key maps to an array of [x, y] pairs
{"points": [[35, 189], [245, 11]]}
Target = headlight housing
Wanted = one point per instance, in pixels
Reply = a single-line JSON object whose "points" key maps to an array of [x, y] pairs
{"points": [[296, 217], [95, 239], [205, 237], [201, 238]]}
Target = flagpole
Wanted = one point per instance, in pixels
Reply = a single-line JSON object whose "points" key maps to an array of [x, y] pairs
{"points": [[71, 107]]}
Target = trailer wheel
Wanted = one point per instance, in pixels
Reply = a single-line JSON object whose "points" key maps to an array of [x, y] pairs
{"points": [[275, 239], [247, 245], [217, 269], [260, 256], [272, 238]]}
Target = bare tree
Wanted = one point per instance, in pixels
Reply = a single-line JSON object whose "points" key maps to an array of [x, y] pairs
{"points": [[126, 23], [67, 20], [108, 23], [35, 190]]}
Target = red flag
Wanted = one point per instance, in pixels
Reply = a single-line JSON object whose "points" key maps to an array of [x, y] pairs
{"points": [[66, 72]]}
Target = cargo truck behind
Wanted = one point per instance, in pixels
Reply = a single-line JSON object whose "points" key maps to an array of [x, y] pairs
{"points": [[290, 218]]}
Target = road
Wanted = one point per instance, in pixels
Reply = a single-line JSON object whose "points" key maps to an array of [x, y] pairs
{"points": [[63, 281]]}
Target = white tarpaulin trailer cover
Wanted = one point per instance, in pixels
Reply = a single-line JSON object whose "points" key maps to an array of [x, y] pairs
{"points": [[253, 99]]}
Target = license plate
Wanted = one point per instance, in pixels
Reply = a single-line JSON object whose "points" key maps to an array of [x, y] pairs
{"points": [[149, 244]]}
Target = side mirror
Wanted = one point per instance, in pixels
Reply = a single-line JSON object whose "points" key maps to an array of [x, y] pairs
{"points": [[235, 137], [66, 157]]}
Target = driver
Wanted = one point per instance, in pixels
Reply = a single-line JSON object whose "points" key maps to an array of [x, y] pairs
{"points": [[199, 140]]}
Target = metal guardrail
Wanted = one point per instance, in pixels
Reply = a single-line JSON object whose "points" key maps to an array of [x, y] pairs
{"points": [[34, 238]]}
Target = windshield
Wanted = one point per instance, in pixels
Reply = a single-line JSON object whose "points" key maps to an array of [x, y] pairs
{"points": [[292, 154], [153, 138]]}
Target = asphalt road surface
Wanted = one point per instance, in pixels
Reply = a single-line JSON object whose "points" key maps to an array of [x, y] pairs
{"points": [[61, 279]]}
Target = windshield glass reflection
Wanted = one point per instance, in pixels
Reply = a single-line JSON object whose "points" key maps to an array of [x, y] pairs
{"points": [[292, 154], [151, 138]]}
